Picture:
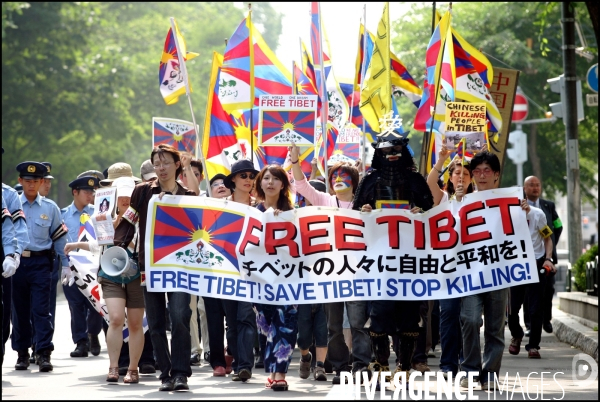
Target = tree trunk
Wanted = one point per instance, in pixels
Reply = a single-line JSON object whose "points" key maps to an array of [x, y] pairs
{"points": [[532, 151]]}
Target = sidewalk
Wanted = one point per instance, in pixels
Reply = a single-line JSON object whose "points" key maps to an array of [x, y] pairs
{"points": [[575, 331]]}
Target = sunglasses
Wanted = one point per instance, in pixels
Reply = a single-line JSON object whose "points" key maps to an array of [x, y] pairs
{"points": [[245, 175]]}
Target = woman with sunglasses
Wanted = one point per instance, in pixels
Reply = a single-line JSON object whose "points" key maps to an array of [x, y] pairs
{"points": [[241, 182], [279, 323]]}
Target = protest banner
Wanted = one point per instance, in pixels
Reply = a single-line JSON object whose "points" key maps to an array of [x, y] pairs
{"points": [[104, 205], [180, 134], [215, 248], [347, 145], [284, 119]]}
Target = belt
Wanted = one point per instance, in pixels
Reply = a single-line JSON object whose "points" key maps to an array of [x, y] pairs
{"points": [[43, 253]]}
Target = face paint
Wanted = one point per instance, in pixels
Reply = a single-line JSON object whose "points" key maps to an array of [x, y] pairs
{"points": [[341, 181]]}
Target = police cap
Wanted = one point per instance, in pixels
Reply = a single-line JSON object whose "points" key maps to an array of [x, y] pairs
{"points": [[31, 170], [85, 183]]}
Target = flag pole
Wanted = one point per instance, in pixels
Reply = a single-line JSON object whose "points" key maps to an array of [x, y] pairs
{"points": [[362, 84], [324, 101], [251, 43], [294, 89], [186, 81]]}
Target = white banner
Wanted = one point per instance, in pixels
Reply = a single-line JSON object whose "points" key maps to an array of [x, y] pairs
{"points": [[222, 249]]}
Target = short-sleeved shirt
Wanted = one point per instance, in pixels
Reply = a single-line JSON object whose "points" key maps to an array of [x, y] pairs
{"points": [[138, 213], [15, 207], [539, 230]]}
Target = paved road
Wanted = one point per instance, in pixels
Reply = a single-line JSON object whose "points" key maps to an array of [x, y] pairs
{"points": [[84, 378]]}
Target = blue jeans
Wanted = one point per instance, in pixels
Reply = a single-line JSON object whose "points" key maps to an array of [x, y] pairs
{"points": [[493, 307], [311, 324], [450, 334], [177, 362], [219, 311], [246, 326], [337, 352]]}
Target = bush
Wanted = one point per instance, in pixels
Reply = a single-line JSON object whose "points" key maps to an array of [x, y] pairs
{"points": [[579, 267]]}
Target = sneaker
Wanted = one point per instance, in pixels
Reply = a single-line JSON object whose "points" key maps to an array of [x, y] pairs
{"points": [[488, 385], [195, 359], [421, 366], [515, 346], [533, 353], [207, 357], [304, 370], [465, 381], [319, 374]]}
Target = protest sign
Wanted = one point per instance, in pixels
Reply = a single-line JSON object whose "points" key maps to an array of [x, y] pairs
{"points": [[102, 218], [216, 248], [284, 119]]}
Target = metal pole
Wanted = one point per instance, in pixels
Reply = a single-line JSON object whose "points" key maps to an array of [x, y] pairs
{"points": [[324, 102], [363, 73], [571, 133], [520, 164], [183, 68]]}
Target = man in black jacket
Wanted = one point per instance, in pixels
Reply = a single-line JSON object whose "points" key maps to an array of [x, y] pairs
{"points": [[532, 187]]}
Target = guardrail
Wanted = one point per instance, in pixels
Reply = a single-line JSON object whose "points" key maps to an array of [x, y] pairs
{"points": [[591, 277]]}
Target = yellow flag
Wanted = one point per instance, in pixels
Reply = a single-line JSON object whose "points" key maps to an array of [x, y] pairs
{"points": [[376, 96]]}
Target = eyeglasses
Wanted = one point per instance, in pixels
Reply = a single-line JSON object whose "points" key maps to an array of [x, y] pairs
{"points": [[165, 165], [217, 184], [244, 176], [486, 171]]}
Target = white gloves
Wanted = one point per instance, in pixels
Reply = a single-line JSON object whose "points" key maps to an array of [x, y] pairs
{"points": [[66, 276], [9, 266]]}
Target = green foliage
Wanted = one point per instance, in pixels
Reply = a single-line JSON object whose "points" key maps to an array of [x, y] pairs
{"points": [[578, 268], [501, 31], [80, 80]]}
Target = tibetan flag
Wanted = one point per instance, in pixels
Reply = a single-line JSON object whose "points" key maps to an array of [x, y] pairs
{"points": [[402, 81], [308, 68], [376, 95], [236, 81], [250, 69], [429, 116], [463, 153], [304, 86], [363, 57], [180, 134], [470, 85], [171, 80], [220, 146]]}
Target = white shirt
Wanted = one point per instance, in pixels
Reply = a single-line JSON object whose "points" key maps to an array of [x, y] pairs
{"points": [[536, 219]]}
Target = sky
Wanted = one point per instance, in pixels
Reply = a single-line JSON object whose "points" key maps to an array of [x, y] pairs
{"points": [[341, 22]]}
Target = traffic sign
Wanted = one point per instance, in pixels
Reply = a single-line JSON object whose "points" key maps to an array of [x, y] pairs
{"points": [[520, 109], [592, 78]]}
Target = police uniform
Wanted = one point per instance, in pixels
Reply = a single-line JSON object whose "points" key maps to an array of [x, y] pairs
{"points": [[32, 282], [9, 247], [84, 318], [15, 209]]}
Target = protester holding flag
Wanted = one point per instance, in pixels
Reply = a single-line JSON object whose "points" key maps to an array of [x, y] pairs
{"points": [[279, 323], [454, 187], [176, 368]]}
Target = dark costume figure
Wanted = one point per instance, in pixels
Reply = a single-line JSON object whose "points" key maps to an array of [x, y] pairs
{"points": [[394, 177]]}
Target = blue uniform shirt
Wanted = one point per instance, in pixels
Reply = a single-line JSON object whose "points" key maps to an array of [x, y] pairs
{"points": [[71, 217], [13, 203], [9, 239], [45, 226]]}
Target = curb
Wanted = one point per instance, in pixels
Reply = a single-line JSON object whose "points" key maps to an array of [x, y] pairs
{"points": [[570, 330]]}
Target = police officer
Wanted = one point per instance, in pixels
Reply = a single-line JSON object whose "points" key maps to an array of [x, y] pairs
{"points": [[7, 252], [31, 283], [47, 180], [84, 318], [13, 204]]}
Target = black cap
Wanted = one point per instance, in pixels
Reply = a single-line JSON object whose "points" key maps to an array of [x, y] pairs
{"points": [[85, 183], [32, 170], [243, 165], [318, 185], [218, 176], [49, 167]]}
